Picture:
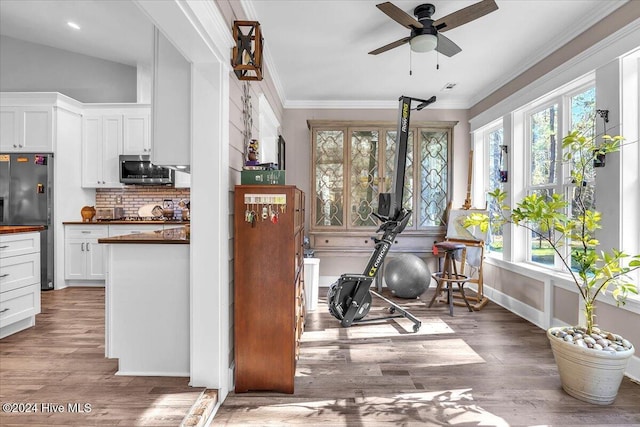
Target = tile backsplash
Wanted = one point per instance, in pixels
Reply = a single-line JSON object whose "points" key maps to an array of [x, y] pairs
{"points": [[133, 197]]}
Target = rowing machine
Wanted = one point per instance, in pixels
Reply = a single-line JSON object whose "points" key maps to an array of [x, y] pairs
{"points": [[349, 298]]}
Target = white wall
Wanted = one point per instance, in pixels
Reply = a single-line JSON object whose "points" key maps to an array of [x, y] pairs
{"points": [[30, 67]]}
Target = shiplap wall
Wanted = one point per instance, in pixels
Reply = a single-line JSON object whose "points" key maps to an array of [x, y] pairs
{"points": [[232, 11]]}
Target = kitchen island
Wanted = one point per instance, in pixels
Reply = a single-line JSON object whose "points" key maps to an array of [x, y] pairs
{"points": [[147, 302], [19, 277]]}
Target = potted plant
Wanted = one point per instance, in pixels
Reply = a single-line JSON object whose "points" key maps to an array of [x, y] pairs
{"points": [[591, 361]]}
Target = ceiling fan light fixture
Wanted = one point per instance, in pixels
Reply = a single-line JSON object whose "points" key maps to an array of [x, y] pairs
{"points": [[424, 43]]}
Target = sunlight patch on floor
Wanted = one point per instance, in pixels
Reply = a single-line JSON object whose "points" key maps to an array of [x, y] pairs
{"points": [[386, 328]]}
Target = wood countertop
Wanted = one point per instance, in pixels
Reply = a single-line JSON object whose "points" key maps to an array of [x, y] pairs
{"points": [[172, 236], [9, 229], [120, 222]]}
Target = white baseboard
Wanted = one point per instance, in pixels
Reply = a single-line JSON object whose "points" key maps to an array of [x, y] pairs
{"points": [[154, 374]]}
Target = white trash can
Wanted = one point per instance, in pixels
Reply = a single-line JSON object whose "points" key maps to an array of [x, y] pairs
{"points": [[311, 279]]}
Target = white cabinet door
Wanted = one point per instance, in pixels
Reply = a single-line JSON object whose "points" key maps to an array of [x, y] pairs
{"points": [[95, 260], [111, 149], [75, 261], [101, 148], [92, 151], [83, 255], [136, 134], [8, 129], [26, 129], [171, 135]]}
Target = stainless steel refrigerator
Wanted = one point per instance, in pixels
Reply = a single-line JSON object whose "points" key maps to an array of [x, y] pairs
{"points": [[26, 198]]}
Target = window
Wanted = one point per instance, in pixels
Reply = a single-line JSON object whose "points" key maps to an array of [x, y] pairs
{"points": [[546, 173], [490, 158], [353, 163]]}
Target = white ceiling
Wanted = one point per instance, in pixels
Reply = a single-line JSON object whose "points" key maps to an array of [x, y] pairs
{"points": [[317, 49]]}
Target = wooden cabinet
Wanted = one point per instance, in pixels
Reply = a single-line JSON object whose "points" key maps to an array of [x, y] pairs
{"points": [[268, 286], [26, 129], [83, 256], [19, 281], [101, 148]]}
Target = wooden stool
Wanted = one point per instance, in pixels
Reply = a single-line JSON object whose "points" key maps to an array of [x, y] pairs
{"points": [[449, 275]]}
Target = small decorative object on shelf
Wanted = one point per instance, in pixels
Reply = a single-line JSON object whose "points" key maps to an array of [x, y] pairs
{"points": [[246, 57], [88, 212], [253, 153]]}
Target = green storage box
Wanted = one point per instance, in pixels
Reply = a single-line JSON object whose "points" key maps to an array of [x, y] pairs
{"points": [[262, 177]]}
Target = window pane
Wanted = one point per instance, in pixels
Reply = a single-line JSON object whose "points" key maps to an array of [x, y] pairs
{"points": [[544, 126], [583, 119], [390, 158], [329, 178], [494, 237], [364, 178], [433, 177], [541, 251]]}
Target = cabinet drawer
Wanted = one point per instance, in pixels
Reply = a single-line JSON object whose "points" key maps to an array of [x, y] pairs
{"points": [[19, 304], [124, 230], [91, 232], [19, 271], [19, 244]]}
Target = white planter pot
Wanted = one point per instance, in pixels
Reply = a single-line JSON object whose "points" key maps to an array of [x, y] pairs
{"points": [[589, 375]]}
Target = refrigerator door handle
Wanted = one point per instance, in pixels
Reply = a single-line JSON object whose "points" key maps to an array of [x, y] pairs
{"points": [[82, 247]]}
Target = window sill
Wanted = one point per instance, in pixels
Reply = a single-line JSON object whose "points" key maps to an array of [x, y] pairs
{"points": [[559, 279]]}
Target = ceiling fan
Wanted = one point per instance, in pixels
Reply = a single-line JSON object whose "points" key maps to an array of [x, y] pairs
{"points": [[426, 32]]}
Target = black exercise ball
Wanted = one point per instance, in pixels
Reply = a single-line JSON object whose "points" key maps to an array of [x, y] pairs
{"points": [[407, 276]]}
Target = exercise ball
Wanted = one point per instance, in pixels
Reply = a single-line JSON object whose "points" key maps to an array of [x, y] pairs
{"points": [[407, 276]]}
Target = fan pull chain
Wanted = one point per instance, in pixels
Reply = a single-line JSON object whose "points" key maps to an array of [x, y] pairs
{"points": [[410, 63], [437, 60]]}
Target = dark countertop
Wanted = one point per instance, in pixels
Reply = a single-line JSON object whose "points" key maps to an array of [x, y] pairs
{"points": [[9, 229], [173, 236], [120, 222]]}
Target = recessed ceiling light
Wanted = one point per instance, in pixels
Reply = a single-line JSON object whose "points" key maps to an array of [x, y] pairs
{"points": [[73, 25]]}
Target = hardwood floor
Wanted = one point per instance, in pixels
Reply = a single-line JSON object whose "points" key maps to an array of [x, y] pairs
{"points": [[61, 361], [488, 368]]}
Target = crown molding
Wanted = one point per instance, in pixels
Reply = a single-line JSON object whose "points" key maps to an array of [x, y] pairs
{"points": [[367, 105]]}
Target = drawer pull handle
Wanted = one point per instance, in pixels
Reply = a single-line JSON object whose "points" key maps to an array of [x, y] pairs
{"points": [[85, 232], [6, 309], [4, 246], [4, 275]]}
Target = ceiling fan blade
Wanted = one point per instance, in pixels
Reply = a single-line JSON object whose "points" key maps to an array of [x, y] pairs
{"points": [[390, 46], [398, 15], [465, 15], [446, 46]]}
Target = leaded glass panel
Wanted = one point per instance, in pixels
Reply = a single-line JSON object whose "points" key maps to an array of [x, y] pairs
{"points": [[329, 176], [364, 178], [390, 158], [434, 180]]}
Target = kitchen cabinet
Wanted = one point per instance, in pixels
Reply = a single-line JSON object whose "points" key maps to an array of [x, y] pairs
{"points": [[136, 127], [26, 129], [268, 287], [171, 134], [19, 281], [108, 132], [101, 147], [83, 256]]}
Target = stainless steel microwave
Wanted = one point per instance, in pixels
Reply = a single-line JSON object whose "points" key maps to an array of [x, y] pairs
{"points": [[139, 170]]}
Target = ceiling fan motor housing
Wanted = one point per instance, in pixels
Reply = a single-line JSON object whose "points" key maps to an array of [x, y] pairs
{"points": [[423, 13]]}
